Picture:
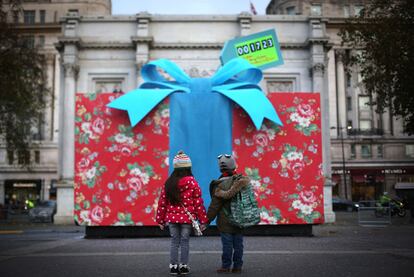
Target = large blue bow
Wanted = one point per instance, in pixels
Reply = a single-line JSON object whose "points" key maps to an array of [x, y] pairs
{"points": [[237, 80]]}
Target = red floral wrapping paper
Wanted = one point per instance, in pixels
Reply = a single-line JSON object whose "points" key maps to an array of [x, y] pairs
{"points": [[119, 170]]}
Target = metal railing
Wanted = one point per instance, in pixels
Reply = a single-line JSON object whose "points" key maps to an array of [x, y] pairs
{"points": [[374, 214]]}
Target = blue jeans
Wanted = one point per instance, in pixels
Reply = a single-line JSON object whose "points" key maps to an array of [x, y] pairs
{"points": [[180, 238], [232, 250]]}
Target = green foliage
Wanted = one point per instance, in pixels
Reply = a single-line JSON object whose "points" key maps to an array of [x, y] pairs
{"points": [[384, 35], [22, 83]]}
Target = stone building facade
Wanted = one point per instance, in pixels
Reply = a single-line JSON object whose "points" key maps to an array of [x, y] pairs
{"points": [[39, 23], [106, 54], [370, 153]]}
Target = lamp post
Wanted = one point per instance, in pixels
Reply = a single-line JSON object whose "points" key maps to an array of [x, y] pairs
{"points": [[341, 136]]}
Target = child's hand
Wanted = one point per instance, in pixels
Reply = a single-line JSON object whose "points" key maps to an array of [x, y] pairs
{"points": [[161, 226], [203, 227]]}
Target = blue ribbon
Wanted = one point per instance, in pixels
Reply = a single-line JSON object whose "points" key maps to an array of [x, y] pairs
{"points": [[201, 121], [237, 80]]}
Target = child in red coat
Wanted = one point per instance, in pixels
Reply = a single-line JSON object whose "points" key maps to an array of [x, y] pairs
{"points": [[180, 190]]}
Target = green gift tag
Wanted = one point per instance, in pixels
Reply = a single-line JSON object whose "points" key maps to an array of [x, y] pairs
{"points": [[261, 49]]}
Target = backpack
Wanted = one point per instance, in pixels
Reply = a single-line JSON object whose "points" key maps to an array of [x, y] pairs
{"points": [[244, 211]]}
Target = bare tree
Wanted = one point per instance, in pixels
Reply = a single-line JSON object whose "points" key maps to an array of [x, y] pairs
{"points": [[22, 83], [384, 34]]}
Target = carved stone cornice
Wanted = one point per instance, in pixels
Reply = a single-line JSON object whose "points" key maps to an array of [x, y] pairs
{"points": [[340, 55], [244, 16], [71, 70], [144, 16], [318, 40], [294, 45], [187, 45], [318, 69], [136, 39], [106, 45], [69, 40]]}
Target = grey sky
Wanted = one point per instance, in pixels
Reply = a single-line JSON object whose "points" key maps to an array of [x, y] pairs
{"points": [[187, 6]]}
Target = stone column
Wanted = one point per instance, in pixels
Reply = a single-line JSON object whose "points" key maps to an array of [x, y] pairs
{"points": [[142, 43], [318, 71], [348, 194], [68, 46], [318, 40], [48, 134], [56, 97], [45, 189], [331, 77], [340, 84], [245, 20], [386, 122], [65, 198], [397, 124]]}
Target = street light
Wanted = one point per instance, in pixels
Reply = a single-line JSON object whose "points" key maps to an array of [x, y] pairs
{"points": [[343, 156]]}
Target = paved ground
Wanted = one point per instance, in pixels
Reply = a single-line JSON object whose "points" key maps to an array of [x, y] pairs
{"points": [[340, 249]]}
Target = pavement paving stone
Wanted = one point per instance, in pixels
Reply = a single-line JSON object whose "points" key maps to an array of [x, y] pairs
{"points": [[340, 249]]}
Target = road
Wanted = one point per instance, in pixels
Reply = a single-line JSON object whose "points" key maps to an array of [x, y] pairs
{"points": [[334, 250]]}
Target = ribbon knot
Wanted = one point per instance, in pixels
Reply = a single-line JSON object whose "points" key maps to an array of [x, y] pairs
{"points": [[237, 80]]}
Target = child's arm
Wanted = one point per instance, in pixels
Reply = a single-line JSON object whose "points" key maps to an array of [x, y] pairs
{"points": [[214, 208], [162, 208], [238, 184]]}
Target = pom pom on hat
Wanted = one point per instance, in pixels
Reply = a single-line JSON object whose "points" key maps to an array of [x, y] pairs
{"points": [[181, 160]]}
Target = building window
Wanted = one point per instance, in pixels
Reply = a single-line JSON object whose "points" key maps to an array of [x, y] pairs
{"points": [[41, 41], [42, 16], [409, 150], [348, 79], [358, 9], [363, 103], [37, 156], [10, 157], [349, 103], [23, 157], [37, 130], [290, 10], [353, 151], [365, 124], [379, 151], [346, 11], [29, 17], [316, 9], [29, 41], [366, 151]]}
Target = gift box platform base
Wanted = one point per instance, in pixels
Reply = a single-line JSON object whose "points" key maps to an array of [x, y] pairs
{"points": [[96, 232]]}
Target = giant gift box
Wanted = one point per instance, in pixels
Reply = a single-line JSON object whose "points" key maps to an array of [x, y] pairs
{"points": [[120, 170]]}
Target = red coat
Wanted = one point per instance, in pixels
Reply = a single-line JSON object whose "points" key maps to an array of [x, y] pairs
{"points": [[190, 193]]}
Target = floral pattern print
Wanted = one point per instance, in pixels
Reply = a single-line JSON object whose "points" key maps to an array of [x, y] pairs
{"points": [[303, 115], [120, 171], [284, 162]]}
